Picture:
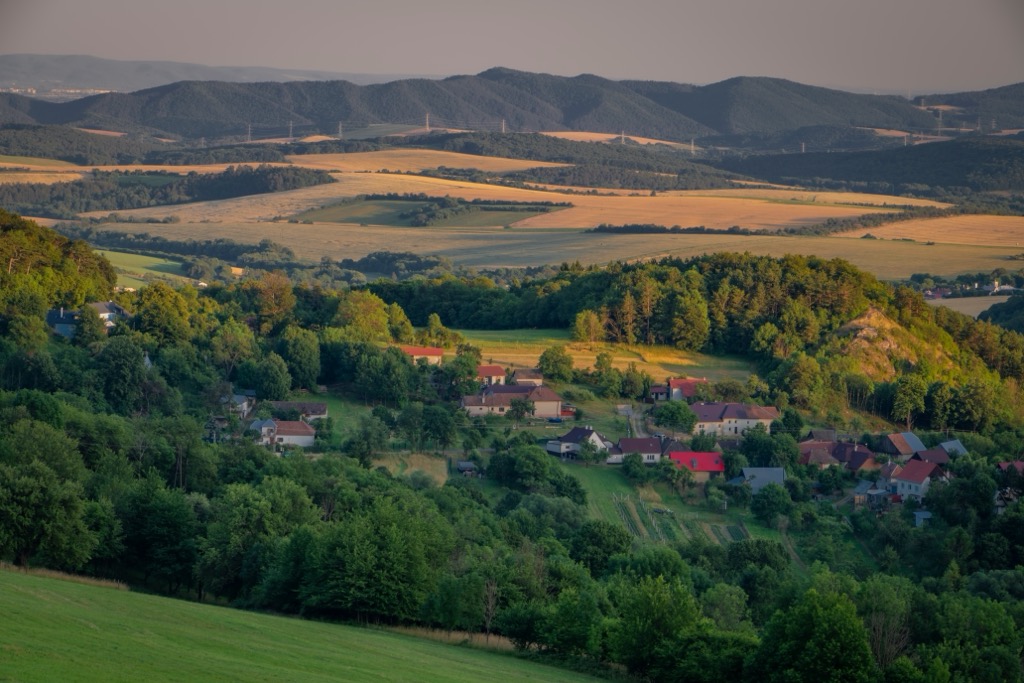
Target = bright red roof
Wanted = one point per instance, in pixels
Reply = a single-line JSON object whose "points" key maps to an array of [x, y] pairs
{"points": [[916, 471], [697, 461], [687, 386]]}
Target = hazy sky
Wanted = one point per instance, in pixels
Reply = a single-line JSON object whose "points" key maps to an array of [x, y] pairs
{"points": [[885, 45]]}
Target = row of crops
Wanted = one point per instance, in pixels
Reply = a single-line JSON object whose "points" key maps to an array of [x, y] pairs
{"points": [[661, 524]]}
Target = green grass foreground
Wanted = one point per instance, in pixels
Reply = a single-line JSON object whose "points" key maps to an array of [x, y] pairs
{"points": [[56, 630]]}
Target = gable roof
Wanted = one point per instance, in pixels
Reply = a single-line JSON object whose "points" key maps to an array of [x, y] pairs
{"points": [[578, 435], [490, 371], [1016, 464], [301, 407], [717, 412], [916, 471], [935, 455], [527, 373], [889, 470], [640, 445], [764, 475], [698, 461], [953, 447], [687, 386], [293, 428], [906, 443]]}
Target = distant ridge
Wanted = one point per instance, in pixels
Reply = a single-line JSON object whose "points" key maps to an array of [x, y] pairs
{"points": [[762, 111]]}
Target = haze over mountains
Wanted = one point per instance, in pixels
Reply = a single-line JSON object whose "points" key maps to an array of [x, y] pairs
{"points": [[762, 110]]}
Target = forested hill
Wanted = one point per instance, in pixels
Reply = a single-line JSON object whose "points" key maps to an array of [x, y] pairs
{"points": [[976, 163], [524, 101]]}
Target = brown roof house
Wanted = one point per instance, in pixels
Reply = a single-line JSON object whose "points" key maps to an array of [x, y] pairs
{"points": [[308, 410], [528, 377], [684, 388], [731, 419], [850, 456], [496, 400], [902, 445]]}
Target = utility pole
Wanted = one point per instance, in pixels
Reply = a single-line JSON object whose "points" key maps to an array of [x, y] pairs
{"points": [[803, 147], [503, 126], [248, 134], [340, 136], [428, 122]]}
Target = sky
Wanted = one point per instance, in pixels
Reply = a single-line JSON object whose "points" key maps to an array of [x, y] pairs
{"points": [[902, 46]]}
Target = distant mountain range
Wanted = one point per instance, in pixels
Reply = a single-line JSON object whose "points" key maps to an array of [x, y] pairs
{"points": [[755, 113], [58, 76]]}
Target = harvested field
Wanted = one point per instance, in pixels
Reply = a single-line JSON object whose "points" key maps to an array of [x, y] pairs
{"points": [[583, 136], [991, 231], [972, 306], [801, 196], [34, 163], [39, 177], [411, 160]]}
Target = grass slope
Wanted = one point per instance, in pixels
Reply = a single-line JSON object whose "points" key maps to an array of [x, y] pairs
{"points": [[56, 630]]}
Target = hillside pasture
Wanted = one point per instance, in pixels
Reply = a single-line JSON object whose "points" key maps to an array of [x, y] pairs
{"points": [[411, 161], [135, 270], [64, 631], [979, 230], [35, 163], [39, 177]]}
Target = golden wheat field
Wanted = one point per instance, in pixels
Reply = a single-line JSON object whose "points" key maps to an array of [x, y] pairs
{"points": [[39, 177], [800, 195], [684, 209], [34, 163], [583, 136], [411, 160], [993, 231]]}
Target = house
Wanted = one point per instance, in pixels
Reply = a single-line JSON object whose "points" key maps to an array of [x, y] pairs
{"points": [[953, 448], [649, 449], [817, 454], [759, 477], [731, 419], [822, 435], [308, 410], [283, 433], [921, 517], [240, 404], [528, 377], [685, 388], [936, 455], [467, 468], [497, 399], [850, 456], [65, 321], [430, 354], [569, 444], [887, 474], [659, 392], [915, 477], [903, 445], [1016, 464], [489, 375], [704, 465]]}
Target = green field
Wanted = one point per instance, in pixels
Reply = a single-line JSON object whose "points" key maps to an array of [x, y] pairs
{"points": [[389, 213], [135, 270], [55, 630]]}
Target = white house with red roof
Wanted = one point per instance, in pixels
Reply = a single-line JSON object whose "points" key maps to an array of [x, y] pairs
{"points": [[731, 419], [489, 375], [284, 433], [703, 464], [431, 354], [914, 478]]}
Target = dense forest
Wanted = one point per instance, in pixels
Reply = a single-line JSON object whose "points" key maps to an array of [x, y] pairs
{"points": [[111, 465], [118, 191]]}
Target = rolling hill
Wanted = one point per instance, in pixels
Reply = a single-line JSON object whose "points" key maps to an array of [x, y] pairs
{"points": [[487, 101]]}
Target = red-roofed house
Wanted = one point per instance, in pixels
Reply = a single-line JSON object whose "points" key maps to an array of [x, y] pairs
{"points": [[731, 419], [916, 476], [431, 354], [703, 465], [1016, 464], [284, 433], [684, 388], [489, 375]]}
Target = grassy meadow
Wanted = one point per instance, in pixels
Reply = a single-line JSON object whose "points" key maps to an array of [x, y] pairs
{"points": [[56, 630], [135, 270]]}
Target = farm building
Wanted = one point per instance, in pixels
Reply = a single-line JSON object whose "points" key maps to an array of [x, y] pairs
{"points": [[497, 399], [528, 377], [903, 444], [308, 410], [731, 419]]}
